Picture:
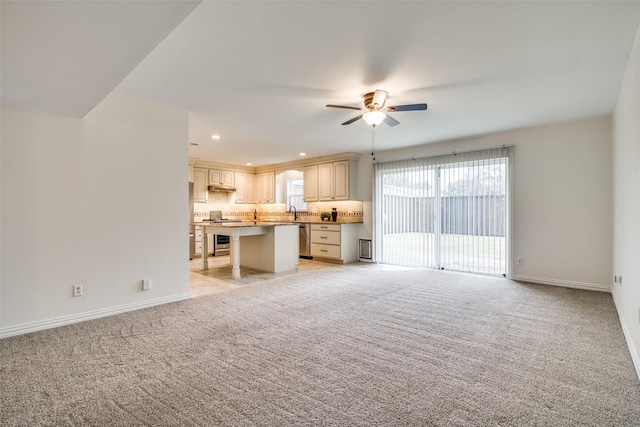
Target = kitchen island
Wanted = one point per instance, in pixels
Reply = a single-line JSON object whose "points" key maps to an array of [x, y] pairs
{"points": [[266, 246]]}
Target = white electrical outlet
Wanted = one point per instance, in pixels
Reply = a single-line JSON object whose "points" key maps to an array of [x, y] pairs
{"points": [[519, 261], [146, 284], [77, 290]]}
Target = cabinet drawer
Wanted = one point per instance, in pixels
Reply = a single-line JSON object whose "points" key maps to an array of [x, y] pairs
{"points": [[325, 227], [198, 248], [326, 237], [198, 234], [326, 251]]}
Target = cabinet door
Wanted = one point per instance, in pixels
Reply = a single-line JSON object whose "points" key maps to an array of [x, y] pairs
{"points": [[257, 188], [341, 181], [227, 178], [311, 183], [325, 181], [251, 188], [215, 176], [200, 183], [241, 187], [221, 177], [269, 187]]}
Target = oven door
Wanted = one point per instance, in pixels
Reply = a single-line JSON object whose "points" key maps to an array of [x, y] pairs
{"points": [[221, 245]]}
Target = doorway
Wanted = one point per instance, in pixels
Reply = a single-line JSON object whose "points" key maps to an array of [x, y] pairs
{"points": [[448, 212]]}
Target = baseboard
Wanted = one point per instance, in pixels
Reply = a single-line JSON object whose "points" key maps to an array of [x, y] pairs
{"points": [[89, 315], [635, 356], [563, 283]]}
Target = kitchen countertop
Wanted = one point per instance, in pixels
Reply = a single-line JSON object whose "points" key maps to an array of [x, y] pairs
{"points": [[243, 224], [251, 223]]}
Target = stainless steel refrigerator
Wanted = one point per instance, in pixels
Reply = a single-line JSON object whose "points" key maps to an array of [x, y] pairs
{"points": [[192, 229]]}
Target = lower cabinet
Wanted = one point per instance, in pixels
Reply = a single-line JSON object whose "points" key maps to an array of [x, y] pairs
{"points": [[198, 239], [335, 242]]}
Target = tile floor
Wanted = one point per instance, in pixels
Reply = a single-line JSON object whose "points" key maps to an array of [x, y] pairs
{"points": [[218, 277]]}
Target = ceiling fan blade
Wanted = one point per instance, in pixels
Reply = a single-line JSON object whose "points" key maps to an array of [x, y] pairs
{"points": [[410, 107], [344, 106], [391, 121], [348, 122], [379, 98]]}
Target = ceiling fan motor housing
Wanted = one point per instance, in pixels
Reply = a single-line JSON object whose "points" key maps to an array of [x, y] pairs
{"points": [[368, 101]]}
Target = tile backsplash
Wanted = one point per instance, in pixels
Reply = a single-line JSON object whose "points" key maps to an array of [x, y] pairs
{"points": [[348, 211]]}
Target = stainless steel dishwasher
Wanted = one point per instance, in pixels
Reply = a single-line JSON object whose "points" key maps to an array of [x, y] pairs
{"points": [[305, 240]]}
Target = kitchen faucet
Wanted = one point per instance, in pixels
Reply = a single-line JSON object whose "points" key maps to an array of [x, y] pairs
{"points": [[295, 212], [255, 214]]}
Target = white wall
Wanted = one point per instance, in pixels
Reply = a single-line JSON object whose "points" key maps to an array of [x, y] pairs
{"points": [[102, 202], [626, 200], [562, 211]]}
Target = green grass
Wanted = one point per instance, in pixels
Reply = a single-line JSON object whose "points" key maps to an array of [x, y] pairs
{"points": [[478, 254]]}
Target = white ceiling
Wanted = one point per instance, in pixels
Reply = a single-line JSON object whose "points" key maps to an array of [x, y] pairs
{"points": [[260, 73], [66, 56]]}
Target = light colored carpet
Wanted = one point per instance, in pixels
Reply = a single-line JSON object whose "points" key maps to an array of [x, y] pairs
{"points": [[357, 347]]}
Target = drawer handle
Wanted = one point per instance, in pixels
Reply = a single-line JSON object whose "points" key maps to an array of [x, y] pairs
{"points": [[324, 237], [323, 250], [323, 226]]}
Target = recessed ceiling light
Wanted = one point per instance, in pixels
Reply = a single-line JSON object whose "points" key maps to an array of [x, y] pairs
{"points": [[303, 154], [248, 164], [215, 136]]}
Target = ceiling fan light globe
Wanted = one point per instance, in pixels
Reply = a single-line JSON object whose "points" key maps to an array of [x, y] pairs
{"points": [[374, 118]]}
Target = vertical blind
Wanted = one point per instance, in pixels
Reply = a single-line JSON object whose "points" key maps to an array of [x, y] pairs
{"points": [[446, 212]]}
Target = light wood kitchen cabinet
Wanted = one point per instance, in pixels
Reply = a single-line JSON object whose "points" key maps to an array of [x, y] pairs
{"points": [[200, 185], [335, 242], [244, 187], [325, 181], [269, 187], [311, 183], [221, 177], [257, 188], [265, 187], [198, 239], [252, 188], [337, 181]]}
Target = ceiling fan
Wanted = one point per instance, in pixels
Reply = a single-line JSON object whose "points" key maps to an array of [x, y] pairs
{"points": [[374, 111]]}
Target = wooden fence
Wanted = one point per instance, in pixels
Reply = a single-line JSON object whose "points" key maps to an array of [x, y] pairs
{"points": [[467, 215]]}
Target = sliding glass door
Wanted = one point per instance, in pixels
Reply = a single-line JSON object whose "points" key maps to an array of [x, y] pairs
{"points": [[447, 212]]}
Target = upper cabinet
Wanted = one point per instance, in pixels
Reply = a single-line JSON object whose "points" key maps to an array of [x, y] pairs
{"points": [[325, 181], [265, 188], [311, 183], [337, 181], [222, 177], [325, 178], [255, 188], [244, 187], [200, 185]]}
